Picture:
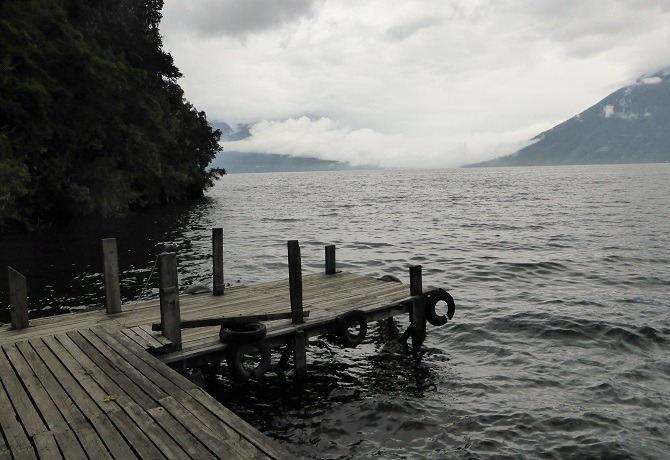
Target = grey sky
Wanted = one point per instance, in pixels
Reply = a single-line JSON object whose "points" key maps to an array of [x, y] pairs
{"points": [[415, 83]]}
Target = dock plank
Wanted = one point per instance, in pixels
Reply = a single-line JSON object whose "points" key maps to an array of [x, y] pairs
{"points": [[82, 371], [92, 443], [46, 446], [61, 399], [220, 447], [132, 374], [23, 406], [16, 437], [155, 340], [73, 403], [135, 337], [178, 387], [161, 438], [111, 437], [69, 445], [128, 392], [180, 434], [135, 437]]}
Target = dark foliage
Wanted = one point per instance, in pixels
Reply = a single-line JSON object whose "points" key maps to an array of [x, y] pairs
{"points": [[92, 120]]}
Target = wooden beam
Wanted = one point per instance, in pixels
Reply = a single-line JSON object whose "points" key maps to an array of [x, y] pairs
{"points": [[417, 311], [18, 299], [110, 263], [169, 299], [295, 281], [231, 320], [330, 259], [218, 284]]}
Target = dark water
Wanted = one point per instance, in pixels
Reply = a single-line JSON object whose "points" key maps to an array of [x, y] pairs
{"points": [[559, 346]]}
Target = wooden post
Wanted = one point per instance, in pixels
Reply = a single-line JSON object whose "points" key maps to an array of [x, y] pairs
{"points": [[295, 281], [417, 312], [169, 299], [330, 259], [300, 356], [218, 285], [18, 299], [110, 263]]}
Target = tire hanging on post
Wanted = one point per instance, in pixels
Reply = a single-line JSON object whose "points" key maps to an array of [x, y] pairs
{"points": [[433, 298], [347, 320], [243, 339], [235, 360]]}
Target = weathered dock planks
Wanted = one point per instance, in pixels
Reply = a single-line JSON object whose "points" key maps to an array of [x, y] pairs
{"points": [[323, 295], [96, 393], [96, 384]]}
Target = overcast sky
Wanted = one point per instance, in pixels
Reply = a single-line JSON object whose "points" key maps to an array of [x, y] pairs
{"points": [[411, 83]]}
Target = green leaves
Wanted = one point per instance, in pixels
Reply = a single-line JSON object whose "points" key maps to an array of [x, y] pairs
{"points": [[91, 117]]}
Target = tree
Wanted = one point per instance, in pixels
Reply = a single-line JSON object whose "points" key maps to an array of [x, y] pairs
{"points": [[92, 119]]}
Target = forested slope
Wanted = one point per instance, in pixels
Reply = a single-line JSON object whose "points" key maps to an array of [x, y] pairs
{"points": [[92, 120]]}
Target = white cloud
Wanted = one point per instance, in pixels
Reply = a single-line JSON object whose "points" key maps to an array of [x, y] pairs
{"points": [[233, 18], [652, 80], [330, 139], [408, 83]]}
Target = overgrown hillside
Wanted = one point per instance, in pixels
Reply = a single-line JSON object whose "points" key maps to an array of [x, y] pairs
{"points": [[92, 120]]}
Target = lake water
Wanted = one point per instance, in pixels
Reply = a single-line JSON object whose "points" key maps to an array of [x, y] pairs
{"points": [[560, 343]]}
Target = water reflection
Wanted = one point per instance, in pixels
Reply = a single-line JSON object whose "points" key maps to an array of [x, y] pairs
{"points": [[379, 366], [63, 264]]}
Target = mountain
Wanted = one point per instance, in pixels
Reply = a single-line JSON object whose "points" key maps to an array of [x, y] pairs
{"points": [[631, 125], [242, 162]]}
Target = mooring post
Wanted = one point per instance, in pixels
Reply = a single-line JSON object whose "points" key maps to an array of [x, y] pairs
{"points": [[218, 285], [295, 281], [295, 290], [330, 259], [168, 289], [300, 356], [110, 264], [18, 299], [418, 312]]}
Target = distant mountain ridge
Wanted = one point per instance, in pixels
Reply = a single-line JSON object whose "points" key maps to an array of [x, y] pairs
{"points": [[631, 125]]}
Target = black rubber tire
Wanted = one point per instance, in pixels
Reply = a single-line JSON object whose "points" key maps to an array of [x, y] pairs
{"points": [[235, 360], [433, 298], [344, 322], [197, 289], [390, 279], [244, 333]]}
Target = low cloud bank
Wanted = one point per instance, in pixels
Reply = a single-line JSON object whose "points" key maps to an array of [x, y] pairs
{"points": [[329, 139]]}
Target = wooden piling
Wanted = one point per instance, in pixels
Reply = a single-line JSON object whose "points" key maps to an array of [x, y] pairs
{"points": [[417, 312], [110, 263], [169, 299], [330, 259], [295, 281], [18, 299], [300, 356], [218, 285]]}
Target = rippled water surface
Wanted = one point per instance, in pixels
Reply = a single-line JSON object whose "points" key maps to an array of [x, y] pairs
{"points": [[560, 343]]}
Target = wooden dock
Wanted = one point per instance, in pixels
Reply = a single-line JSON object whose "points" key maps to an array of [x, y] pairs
{"points": [[98, 385], [324, 296], [94, 393]]}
